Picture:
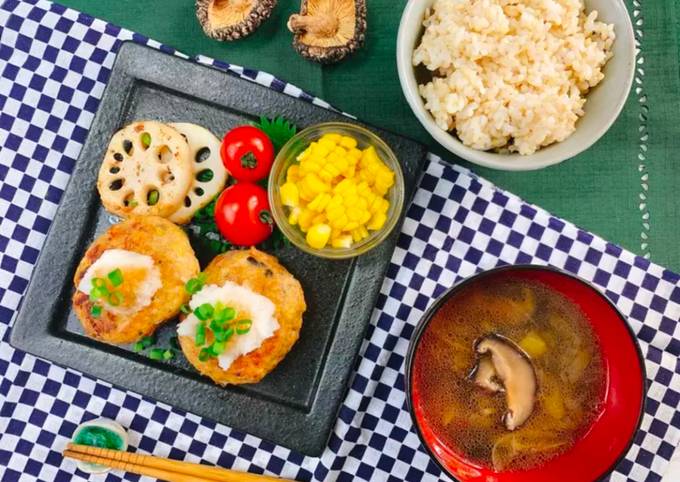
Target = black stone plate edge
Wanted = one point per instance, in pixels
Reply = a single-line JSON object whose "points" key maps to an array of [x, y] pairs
{"points": [[33, 331]]}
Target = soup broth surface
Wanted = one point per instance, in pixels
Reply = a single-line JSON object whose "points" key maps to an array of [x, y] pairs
{"points": [[557, 338]]}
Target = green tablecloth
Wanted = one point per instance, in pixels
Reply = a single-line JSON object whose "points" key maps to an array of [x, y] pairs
{"points": [[608, 190]]}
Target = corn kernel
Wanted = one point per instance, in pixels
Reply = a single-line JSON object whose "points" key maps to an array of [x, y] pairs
{"points": [[354, 154], [314, 184], [319, 219], [354, 214], [294, 216], [377, 221], [293, 173], [334, 212], [335, 138], [340, 222], [290, 195], [318, 235], [325, 146], [348, 142], [305, 219], [351, 225], [343, 185], [365, 217], [304, 192], [370, 156], [320, 202], [303, 155], [339, 151], [344, 241]]}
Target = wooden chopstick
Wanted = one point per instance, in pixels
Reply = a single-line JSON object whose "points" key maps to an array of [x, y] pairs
{"points": [[159, 467]]}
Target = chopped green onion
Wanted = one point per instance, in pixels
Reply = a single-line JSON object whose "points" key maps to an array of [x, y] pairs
{"points": [[216, 326], [224, 335], [243, 326], [204, 312], [137, 347], [168, 355], [115, 298], [156, 354], [96, 311], [194, 285], [147, 341], [225, 314], [185, 308], [230, 313], [98, 292], [115, 277], [199, 340], [217, 348], [98, 282], [204, 354], [146, 139]]}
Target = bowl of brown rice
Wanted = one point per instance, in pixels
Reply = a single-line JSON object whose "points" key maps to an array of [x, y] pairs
{"points": [[516, 85]]}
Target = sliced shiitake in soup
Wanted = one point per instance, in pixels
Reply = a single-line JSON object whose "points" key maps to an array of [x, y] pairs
{"points": [[515, 371], [484, 375]]}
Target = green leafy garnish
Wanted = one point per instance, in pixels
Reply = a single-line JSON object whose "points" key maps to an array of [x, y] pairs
{"points": [[138, 346], [278, 129], [168, 355], [185, 308], [115, 277], [96, 311], [147, 341], [248, 160]]}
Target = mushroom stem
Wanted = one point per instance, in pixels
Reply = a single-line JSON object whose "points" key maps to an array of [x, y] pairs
{"points": [[324, 24]]}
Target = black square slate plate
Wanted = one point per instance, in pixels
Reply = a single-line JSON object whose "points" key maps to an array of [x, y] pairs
{"points": [[295, 405]]}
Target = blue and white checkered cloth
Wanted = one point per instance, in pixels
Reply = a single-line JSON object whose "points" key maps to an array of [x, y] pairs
{"points": [[54, 63]]}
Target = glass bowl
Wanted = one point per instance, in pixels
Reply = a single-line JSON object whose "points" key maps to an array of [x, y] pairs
{"points": [[288, 156]]}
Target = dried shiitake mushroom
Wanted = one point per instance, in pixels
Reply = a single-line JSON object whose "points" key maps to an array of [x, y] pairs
{"points": [[232, 19], [327, 31]]}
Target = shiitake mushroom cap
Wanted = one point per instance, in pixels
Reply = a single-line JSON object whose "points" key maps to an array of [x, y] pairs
{"points": [[232, 19], [326, 32]]}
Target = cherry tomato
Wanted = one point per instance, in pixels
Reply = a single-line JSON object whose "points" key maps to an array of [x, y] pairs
{"points": [[247, 153], [242, 214]]}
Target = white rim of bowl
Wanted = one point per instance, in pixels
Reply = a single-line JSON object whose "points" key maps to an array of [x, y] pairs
{"points": [[409, 88]]}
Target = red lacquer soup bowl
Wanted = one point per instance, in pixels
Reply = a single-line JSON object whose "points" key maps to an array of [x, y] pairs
{"points": [[606, 441]]}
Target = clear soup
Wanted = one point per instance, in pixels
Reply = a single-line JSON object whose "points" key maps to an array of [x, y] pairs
{"points": [[557, 339]]}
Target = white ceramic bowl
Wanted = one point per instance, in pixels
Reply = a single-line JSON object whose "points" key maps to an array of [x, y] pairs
{"points": [[602, 108]]}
